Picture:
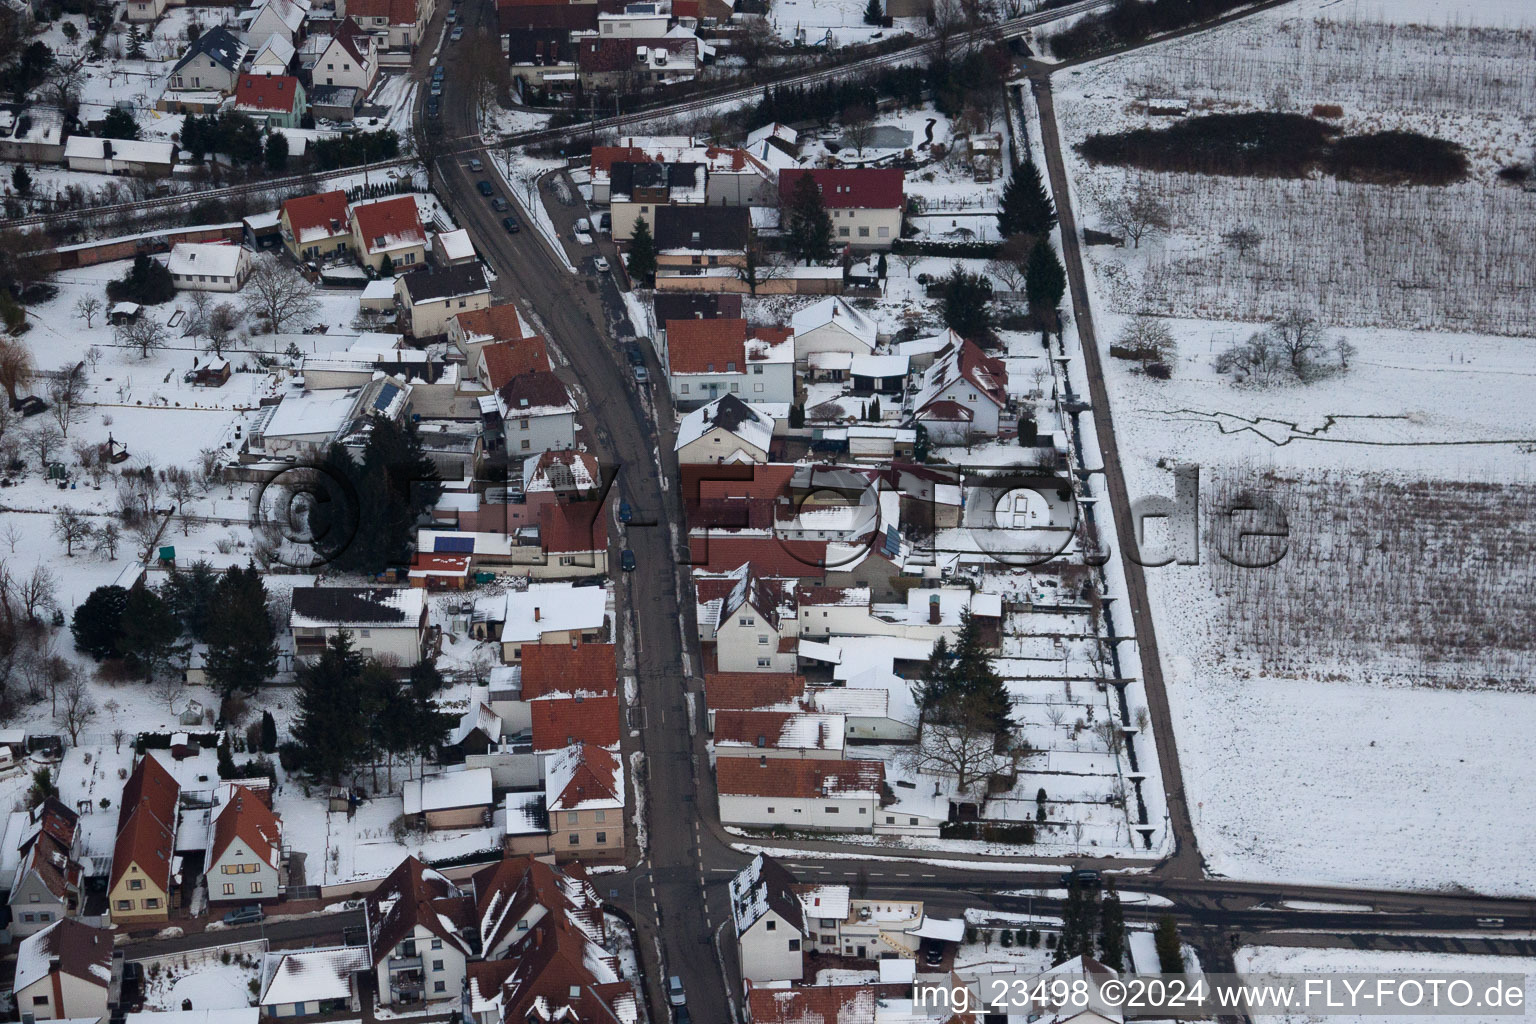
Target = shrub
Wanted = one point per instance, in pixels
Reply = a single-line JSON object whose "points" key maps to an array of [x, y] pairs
{"points": [[147, 283], [1396, 158]]}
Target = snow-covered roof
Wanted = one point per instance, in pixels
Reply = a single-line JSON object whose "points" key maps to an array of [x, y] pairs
{"points": [[311, 413], [552, 607], [371, 607], [277, 50], [583, 777], [78, 950], [835, 311], [945, 929], [825, 901], [249, 1015], [730, 414], [925, 346], [525, 815], [762, 886], [479, 716], [218, 258], [880, 366], [309, 975], [856, 702], [455, 245], [469, 788], [897, 971], [85, 147], [783, 730], [381, 288]]}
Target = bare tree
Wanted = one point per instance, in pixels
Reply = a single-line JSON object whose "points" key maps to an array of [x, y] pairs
{"points": [[222, 320], [1244, 239], [107, 538], [144, 334], [46, 442], [15, 366], [908, 260], [859, 126], [1299, 336], [72, 528], [10, 535], [181, 486], [170, 686], [1134, 210], [279, 295], [93, 356], [87, 308], [64, 392], [1008, 273], [36, 592], [1149, 337], [79, 707], [146, 531], [198, 316]]}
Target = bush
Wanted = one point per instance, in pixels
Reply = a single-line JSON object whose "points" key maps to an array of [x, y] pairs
{"points": [[147, 282], [1396, 158], [1158, 370], [1129, 22]]}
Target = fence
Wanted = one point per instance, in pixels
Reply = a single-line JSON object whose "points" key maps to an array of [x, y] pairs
{"points": [[204, 955]]}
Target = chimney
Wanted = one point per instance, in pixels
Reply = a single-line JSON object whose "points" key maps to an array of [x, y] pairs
{"points": [[933, 610], [536, 614]]}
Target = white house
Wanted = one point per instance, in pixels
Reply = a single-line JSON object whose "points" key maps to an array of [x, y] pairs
{"points": [[832, 796], [64, 971], [459, 799], [866, 203], [431, 297], [211, 63], [297, 983], [274, 57], [753, 623], [245, 852], [387, 623], [418, 925], [145, 10], [726, 430], [707, 358], [46, 885], [770, 924], [119, 156], [536, 414], [832, 325], [276, 18], [963, 395], [209, 266], [349, 57]]}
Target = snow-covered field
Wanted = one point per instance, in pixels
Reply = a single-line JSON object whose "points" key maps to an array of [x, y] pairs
{"points": [[844, 19]]}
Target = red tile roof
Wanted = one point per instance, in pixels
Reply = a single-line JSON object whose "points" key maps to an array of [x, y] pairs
{"points": [[276, 93], [785, 777], [604, 157], [391, 220], [146, 824], [596, 777], [325, 212], [573, 527], [707, 345], [399, 12], [561, 668], [247, 818], [507, 359], [499, 322], [769, 556], [560, 721], [746, 690], [867, 188], [735, 727], [601, 55]]}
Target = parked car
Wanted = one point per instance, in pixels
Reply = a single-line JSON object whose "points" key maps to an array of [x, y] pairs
{"points": [[675, 994], [244, 915], [933, 956], [583, 226], [681, 1016], [625, 512], [1083, 878], [432, 107], [642, 375], [453, 16], [499, 204], [636, 357], [485, 188], [475, 164], [601, 264], [511, 224], [457, 33], [627, 563], [437, 87]]}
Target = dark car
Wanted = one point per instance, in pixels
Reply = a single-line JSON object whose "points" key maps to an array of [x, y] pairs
{"points": [[485, 188], [498, 204], [511, 224], [627, 560], [636, 357], [680, 1016], [432, 107], [933, 956], [1083, 878], [245, 915], [625, 512]]}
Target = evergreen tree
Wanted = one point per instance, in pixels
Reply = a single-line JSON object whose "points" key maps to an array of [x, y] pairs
{"points": [[966, 304], [21, 180], [920, 443], [1040, 804], [98, 622], [796, 416], [147, 283], [226, 760], [242, 643], [1078, 916], [934, 685], [881, 267], [873, 14], [1170, 950], [1045, 282], [874, 410], [974, 675], [119, 124], [1112, 930], [191, 593], [642, 253], [329, 731], [807, 226], [425, 679], [268, 733], [277, 151], [1026, 208], [372, 525], [135, 43], [149, 633]]}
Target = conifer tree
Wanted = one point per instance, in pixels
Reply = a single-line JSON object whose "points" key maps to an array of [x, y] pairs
{"points": [[642, 253], [329, 731], [1045, 282], [1112, 930], [1026, 208], [807, 226], [242, 643], [873, 14], [1170, 949]]}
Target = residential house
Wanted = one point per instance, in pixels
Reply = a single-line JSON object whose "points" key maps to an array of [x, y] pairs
{"points": [[473, 329], [210, 65], [281, 18], [584, 797], [514, 895], [751, 691], [119, 156], [347, 58], [574, 540], [46, 886], [389, 232], [695, 306], [559, 615], [279, 99], [142, 882], [387, 623], [245, 855], [398, 24], [317, 227], [753, 624], [453, 248], [274, 57], [209, 266], [769, 922], [737, 178], [64, 972], [832, 325], [640, 189], [778, 735], [962, 395], [430, 297], [420, 935], [691, 236], [705, 359], [879, 375], [301, 982], [32, 134], [834, 796], [866, 203], [633, 65], [534, 413], [637, 21], [144, 11], [451, 800], [726, 430], [307, 423]]}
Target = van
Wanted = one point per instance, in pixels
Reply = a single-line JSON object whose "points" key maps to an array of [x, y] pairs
{"points": [[583, 226]]}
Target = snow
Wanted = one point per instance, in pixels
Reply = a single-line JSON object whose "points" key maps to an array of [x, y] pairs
{"points": [[842, 19], [209, 985]]}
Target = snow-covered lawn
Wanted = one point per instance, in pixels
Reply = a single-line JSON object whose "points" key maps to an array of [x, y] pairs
{"points": [[209, 985], [843, 18]]}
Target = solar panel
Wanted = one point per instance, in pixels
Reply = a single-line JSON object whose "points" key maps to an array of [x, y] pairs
{"points": [[455, 545], [386, 395]]}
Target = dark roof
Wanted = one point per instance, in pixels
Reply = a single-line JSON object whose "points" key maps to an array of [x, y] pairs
{"points": [[730, 412], [347, 604], [702, 227], [692, 305], [83, 952], [432, 284], [626, 175], [537, 390], [414, 894], [515, 18], [765, 885], [541, 46], [222, 45]]}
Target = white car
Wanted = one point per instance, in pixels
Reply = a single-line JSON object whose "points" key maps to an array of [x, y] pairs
{"points": [[601, 263]]}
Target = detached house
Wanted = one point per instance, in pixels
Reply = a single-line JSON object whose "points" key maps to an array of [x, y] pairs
{"points": [[430, 298], [832, 326], [209, 266], [835, 796], [584, 797], [279, 99], [142, 883], [963, 395], [726, 430], [689, 237], [64, 971], [347, 58], [535, 413], [866, 203], [420, 935], [389, 623], [46, 886], [389, 230], [750, 619], [397, 24], [705, 359], [245, 857], [769, 920], [281, 18], [316, 227], [206, 73]]}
